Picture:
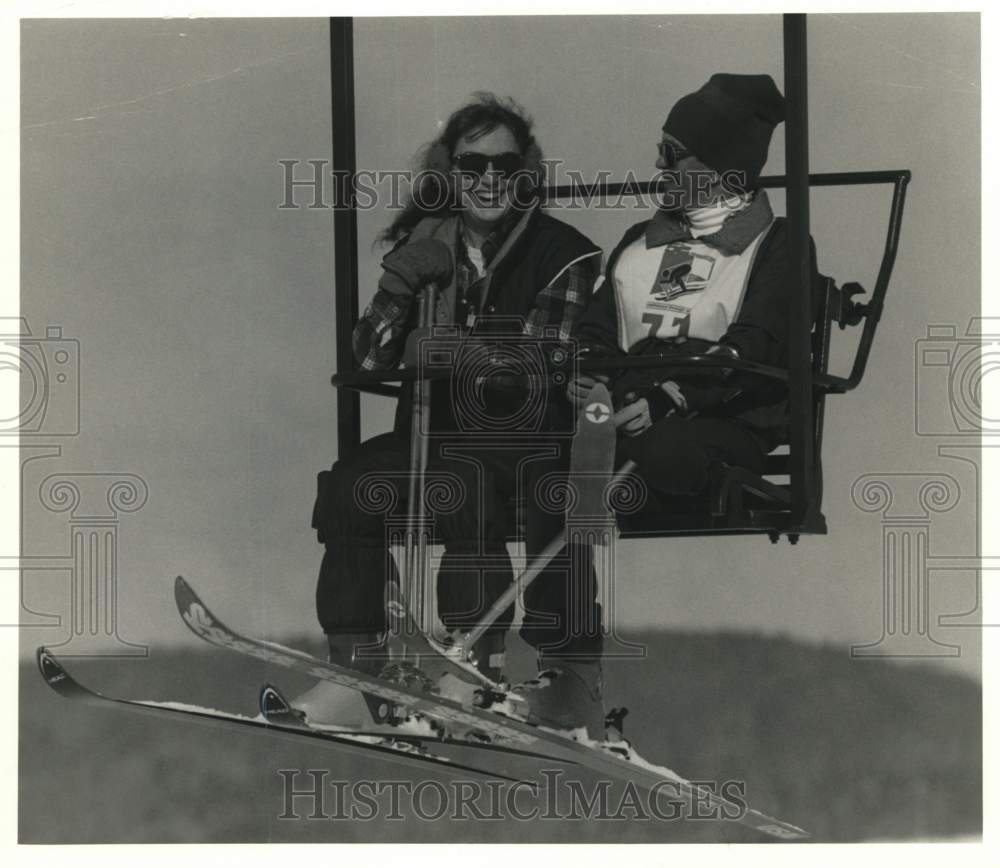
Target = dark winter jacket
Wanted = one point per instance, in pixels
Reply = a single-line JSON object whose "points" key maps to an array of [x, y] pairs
{"points": [[534, 288]]}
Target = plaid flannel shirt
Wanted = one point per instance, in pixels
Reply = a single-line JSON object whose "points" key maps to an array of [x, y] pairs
{"points": [[380, 335]]}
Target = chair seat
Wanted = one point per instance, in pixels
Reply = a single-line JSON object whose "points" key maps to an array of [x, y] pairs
{"points": [[737, 501]]}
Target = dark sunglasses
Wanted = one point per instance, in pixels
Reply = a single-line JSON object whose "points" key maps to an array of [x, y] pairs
{"points": [[478, 164], [671, 154]]}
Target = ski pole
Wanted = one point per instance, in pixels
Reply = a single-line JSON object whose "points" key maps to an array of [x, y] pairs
{"points": [[524, 579], [415, 544]]}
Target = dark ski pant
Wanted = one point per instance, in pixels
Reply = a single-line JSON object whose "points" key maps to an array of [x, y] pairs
{"points": [[676, 456], [361, 496]]}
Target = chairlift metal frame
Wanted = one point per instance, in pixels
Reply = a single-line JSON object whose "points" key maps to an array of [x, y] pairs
{"points": [[739, 502]]}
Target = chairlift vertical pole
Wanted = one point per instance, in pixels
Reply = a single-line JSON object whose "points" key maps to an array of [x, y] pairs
{"points": [[345, 226], [797, 187]]}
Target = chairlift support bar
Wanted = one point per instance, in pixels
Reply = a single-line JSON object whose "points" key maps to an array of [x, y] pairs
{"points": [[345, 227], [800, 319]]}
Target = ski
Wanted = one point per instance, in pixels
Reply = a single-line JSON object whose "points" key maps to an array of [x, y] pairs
{"points": [[276, 709], [405, 750], [600, 758]]}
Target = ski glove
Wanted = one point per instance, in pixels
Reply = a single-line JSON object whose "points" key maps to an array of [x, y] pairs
{"points": [[416, 264], [661, 398]]}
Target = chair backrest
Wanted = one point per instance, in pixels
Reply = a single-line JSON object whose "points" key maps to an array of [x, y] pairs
{"points": [[777, 463]]}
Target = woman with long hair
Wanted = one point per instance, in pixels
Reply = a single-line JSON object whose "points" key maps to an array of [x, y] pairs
{"points": [[506, 270]]}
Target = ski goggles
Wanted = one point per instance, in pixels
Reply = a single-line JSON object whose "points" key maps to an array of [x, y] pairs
{"points": [[671, 153], [478, 164]]}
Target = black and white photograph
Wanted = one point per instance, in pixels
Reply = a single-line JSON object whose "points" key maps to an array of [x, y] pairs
{"points": [[538, 426]]}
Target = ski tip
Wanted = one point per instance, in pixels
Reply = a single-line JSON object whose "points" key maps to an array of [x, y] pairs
{"points": [[184, 594], [271, 701], [599, 393], [51, 669], [782, 830], [42, 653], [274, 708]]}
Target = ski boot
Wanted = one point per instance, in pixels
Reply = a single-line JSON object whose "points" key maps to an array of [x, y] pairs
{"points": [[329, 704], [567, 694]]}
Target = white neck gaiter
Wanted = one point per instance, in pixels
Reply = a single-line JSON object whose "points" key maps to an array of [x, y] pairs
{"points": [[709, 220]]}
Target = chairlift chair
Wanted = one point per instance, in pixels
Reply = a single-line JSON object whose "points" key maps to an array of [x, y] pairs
{"points": [[787, 498]]}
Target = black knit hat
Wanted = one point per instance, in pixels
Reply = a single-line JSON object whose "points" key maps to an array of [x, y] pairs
{"points": [[728, 123]]}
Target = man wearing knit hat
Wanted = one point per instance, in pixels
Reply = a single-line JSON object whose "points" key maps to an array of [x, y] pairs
{"points": [[711, 272]]}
